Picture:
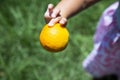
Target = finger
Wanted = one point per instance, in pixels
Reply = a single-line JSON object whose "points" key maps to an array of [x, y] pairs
{"points": [[49, 11], [54, 21], [63, 21], [50, 8], [55, 13]]}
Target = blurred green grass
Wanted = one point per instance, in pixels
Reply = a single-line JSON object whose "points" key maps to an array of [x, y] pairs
{"points": [[21, 55]]}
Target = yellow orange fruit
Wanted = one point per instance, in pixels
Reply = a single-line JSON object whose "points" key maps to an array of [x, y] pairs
{"points": [[54, 38]]}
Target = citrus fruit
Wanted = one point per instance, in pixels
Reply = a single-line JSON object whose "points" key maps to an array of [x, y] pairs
{"points": [[54, 38]]}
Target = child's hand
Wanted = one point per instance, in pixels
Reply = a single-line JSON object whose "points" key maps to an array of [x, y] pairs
{"points": [[52, 16]]}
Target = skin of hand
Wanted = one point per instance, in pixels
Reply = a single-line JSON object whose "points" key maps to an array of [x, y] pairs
{"points": [[53, 16], [65, 9]]}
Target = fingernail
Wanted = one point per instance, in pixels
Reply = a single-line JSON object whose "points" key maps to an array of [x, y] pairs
{"points": [[62, 22], [50, 24], [50, 5]]}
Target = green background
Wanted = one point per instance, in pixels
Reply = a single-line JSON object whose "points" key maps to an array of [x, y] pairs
{"points": [[21, 55]]}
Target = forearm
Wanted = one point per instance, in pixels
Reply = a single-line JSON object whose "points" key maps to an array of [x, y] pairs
{"points": [[69, 8]]}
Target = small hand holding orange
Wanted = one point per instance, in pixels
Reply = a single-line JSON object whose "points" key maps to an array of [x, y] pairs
{"points": [[53, 16]]}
